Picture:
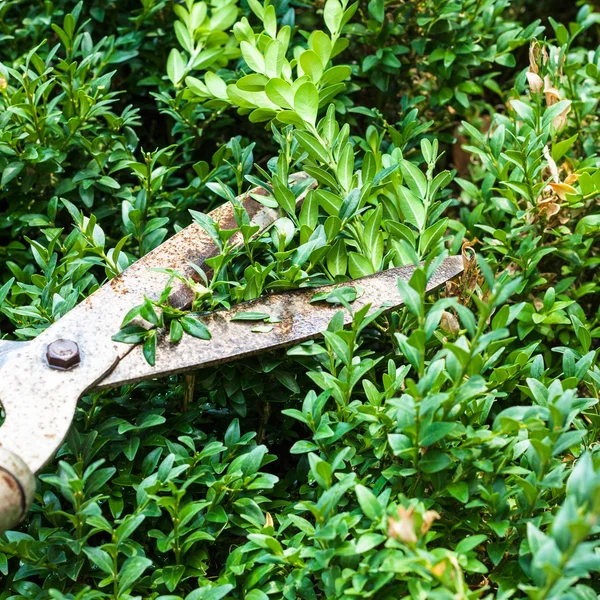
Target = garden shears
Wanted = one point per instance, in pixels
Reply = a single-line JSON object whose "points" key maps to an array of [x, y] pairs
{"points": [[41, 380]]}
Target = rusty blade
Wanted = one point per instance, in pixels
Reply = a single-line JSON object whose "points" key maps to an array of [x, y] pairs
{"points": [[301, 320]]}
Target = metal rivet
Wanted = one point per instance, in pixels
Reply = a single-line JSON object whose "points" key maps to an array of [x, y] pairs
{"points": [[63, 354]]}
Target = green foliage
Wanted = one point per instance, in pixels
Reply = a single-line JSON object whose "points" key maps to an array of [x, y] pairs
{"points": [[445, 450]]}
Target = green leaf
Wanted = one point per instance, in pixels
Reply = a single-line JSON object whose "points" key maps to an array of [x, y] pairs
{"points": [[210, 593], [274, 57], [206, 58], [306, 102], [506, 60], [333, 14], [175, 66], [255, 82], [279, 92], [345, 167], [467, 544], [348, 293], [588, 224], [411, 297], [290, 117], [415, 179], [434, 461], [368, 541], [128, 526], [524, 111], [434, 432], [561, 148], [310, 144], [192, 326], [339, 346], [359, 265], [460, 491], [336, 74], [254, 59], [149, 349], [368, 503], [11, 171], [101, 559], [372, 225], [497, 141], [284, 196], [303, 446], [432, 235], [321, 470], [377, 10], [270, 20], [250, 316], [311, 65], [216, 86], [5, 289], [553, 111], [411, 208], [132, 569], [132, 334], [175, 331], [337, 259], [350, 204]]}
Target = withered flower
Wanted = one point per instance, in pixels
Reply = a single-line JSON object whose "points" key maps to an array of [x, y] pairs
{"points": [[571, 177], [428, 518], [551, 164], [403, 529], [550, 92], [534, 55], [536, 83], [562, 189], [561, 120], [548, 208]]}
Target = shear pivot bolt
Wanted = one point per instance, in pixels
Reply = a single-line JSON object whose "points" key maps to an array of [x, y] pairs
{"points": [[63, 354]]}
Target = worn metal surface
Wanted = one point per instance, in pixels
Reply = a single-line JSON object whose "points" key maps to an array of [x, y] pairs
{"points": [[8, 346], [300, 321], [40, 401], [17, 486]]}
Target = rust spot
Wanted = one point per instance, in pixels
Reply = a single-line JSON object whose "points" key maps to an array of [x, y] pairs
{"points": [[9, 481], [118, 285]]}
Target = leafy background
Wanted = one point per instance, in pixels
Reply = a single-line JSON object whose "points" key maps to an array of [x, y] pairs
{"points": [[448, 450]]}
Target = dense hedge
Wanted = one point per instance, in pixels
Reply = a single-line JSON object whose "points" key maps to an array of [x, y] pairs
{"points": [[446, 451]]}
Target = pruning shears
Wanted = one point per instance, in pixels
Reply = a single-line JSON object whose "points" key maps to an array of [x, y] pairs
{"points": [[42, 380]]}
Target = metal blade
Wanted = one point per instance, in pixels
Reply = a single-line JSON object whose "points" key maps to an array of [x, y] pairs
{"points": [[300, 321], [7, 347]]}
